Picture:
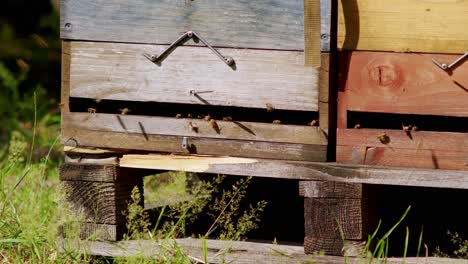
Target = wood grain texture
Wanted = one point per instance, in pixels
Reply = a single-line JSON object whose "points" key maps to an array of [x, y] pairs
{"points": [[312, 30], [121, 72], [92, 231], [242, 252], [385, 156], [154, 125], [299, 170], [65, 73], [420, 140], [240, 148], [93, 173], [436, 26], [324, 90], [334, 247], [328, 189], [323, 218], [401, 83], [267, 24]]}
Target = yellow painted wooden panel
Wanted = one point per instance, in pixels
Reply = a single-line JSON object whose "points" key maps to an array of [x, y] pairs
{"points": [[438, 26]]}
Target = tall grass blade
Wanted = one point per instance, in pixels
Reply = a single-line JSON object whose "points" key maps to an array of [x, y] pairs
{"points": [[204, 248], [405, 250], [420, 242], [34, 129]]}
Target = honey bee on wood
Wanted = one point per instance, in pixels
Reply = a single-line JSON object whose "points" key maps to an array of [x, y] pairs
{"points": [[124, 111], [414, 128], [189, 115], [314, 123], [406, 129], [200, 116], [277, 122], [269, 107], [384, 138], [92, 110], [178, 116], [357, 126], [227, 118], [193, 127], [214, 125], [207, 117], [98, 100]]}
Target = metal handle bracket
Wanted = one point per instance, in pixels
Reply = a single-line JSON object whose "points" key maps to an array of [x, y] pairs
{"points": [[188, 35], [448, 67]]}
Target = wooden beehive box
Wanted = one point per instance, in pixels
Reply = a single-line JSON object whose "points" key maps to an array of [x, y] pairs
{"points": [[191, 99], [390, 82]]}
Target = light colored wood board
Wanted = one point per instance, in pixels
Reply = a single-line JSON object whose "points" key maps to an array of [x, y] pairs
{"points": [[299, 170], [90, 151], [325, 25], [328, 189], [323, 115], [350, 154], [242, 252], [154, 125], [65, 73], [384, 156], [265, 24], [241, 148], [323, 218], [420, 140], [405, 26], [91, 231], [312, 30], [121, 72], [403, 83]]}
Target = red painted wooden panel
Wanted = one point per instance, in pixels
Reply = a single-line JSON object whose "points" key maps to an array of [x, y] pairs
{"points": [[405, 83]]}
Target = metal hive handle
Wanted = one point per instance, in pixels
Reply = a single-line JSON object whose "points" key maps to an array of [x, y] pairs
{"points": [[447, 67], [188, 35]]}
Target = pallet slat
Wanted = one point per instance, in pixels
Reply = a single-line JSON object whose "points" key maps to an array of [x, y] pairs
{"points": [[436, 26], [401, 83], [262, 24], [121, 72]]}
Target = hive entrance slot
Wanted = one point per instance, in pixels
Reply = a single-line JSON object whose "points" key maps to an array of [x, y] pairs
{"points": [[397, 121], [193, 111]]}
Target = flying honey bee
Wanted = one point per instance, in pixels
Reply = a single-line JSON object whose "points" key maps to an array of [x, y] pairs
{"points": [[414, 128], [193, 127], [406, 129], [98, 100], [207, 117], [178, 116], [384, 138], [269, 107], [214, 125], [189, 115], [227, 118], [357, 126], [124, 111], [92, 110], [314, 122], [277, 122]]}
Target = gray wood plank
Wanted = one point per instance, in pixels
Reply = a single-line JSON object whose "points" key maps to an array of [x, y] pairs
{"points": [[218, 251], [300, 170], [155, 125], [241, 148], [267, 24], [120, 71], [325, 22]]}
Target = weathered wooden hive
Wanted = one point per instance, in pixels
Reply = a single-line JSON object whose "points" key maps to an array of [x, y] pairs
{"points": [[403, 97], [236, 78]]}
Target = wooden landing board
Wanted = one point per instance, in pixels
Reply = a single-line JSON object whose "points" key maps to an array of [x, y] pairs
{"points": [[301, 170], [436, 150], [222, 252], [211, 146], [266, 24], [436, 26], [401, 83], [155, 125], [259, 77]]}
